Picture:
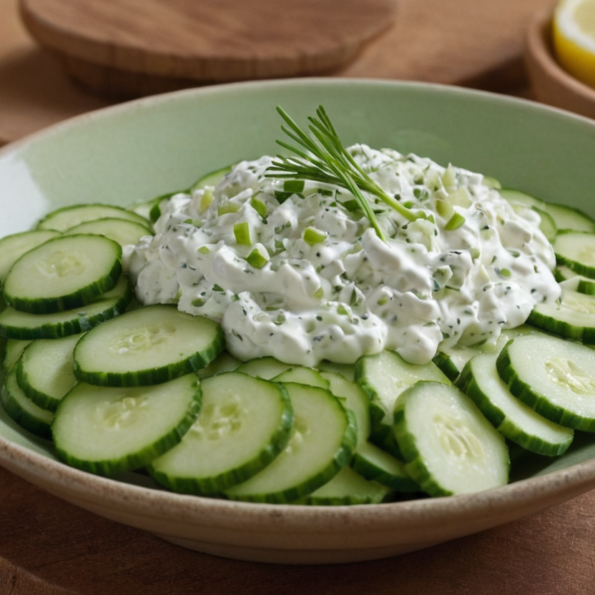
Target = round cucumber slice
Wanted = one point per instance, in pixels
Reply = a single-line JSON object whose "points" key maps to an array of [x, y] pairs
{"points": [[23, 411], [147, 346], [576, 250], [109, 430], [63, 273], [448, 445], [243, 425], [120, 230], [26, 326], [67, 217], [321, 444], [552, 376], [14, 246], [44, 371], [510, 416]]}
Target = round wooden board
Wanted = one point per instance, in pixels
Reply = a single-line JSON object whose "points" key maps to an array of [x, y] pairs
{"points": [[137, 47]]}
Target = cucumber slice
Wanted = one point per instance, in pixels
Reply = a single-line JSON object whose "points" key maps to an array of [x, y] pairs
{"points": [[580, 284], [446, 365], [347, 488], [26, 326], [14, 246], [563, 273], [108, 430], [571, 316], [45, 372], [552, 376], [211, 179], [151, 209], [303, 375], [448, 445], [67, 217], [321, 444], [147, 346], [512, 418], [569, 219], [384, 376], [64, 273], [491, 182], [519, 198], [375, 464], [547, 225], [356, 400], [23, 411], [222, 363], [263, 367], [576, 250], [13, 351], [119, 230], [345, 370], [243, 425]]}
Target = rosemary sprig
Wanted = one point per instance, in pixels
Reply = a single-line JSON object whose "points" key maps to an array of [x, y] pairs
{"points": [[326, 160]]}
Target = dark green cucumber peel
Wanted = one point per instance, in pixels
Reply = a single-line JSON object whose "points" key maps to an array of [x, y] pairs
{"points": [[446, 365]]}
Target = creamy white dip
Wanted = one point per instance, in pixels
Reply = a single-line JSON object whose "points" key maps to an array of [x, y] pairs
{"points": [[302, 276]]}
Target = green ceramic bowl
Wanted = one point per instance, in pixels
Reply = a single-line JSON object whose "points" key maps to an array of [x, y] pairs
{"points": [[142, 149]]}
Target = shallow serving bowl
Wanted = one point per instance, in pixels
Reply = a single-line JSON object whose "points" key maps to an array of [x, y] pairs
{"points": [[142, 149]]}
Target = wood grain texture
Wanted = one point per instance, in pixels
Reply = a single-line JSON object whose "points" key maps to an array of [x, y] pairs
{"points": [[477, 44], [209, 41], [59, 547]]}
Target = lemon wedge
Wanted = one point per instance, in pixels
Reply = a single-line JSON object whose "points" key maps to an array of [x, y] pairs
{"points": [[574, 38]]}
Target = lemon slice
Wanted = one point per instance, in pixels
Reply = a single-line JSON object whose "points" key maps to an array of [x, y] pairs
{"points": [[574, 38]]}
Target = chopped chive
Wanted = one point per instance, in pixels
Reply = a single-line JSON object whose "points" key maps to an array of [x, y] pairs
{"points": [[454, 222], [241, 231], [293, 186], [314, 236]]}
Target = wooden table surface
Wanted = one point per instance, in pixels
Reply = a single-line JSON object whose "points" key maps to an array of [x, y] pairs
{"points": [[50, 547]]}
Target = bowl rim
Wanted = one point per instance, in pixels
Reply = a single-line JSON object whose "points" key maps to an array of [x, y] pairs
{"points": [[550, 488]]}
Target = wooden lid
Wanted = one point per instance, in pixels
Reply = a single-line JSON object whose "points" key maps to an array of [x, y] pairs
{"points": [[207, 41]]}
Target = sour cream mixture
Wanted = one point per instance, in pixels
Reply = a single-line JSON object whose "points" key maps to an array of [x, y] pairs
{"points": [[297, 272]]}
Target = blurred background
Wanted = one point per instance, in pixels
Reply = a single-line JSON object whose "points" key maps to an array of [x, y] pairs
{"points": [[61, 58]]}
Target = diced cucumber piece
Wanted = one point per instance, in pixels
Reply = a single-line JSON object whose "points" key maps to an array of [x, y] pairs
{"points": [[121, 231], [303, 375], [576, 250], [23, 411], [67, 217], [45, 372], [147, 346], [63, 273], [321, 444], [569, 218], [211, 179], [243, 425], [552, 376], [14, 246], [263, 367], [375, 464], [14, 350], [26, 326], [356, 400], [510, 416], [448, 445], [347, 488], [222, 363], [108, 430], [571, 316], [384, 376]]}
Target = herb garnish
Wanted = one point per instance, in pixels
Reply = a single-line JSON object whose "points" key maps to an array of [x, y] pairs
{"points": [[329, 162]]}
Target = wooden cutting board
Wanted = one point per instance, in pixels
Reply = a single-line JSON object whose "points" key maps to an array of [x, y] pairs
{"points": [[464, 42], [125, 48]]}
